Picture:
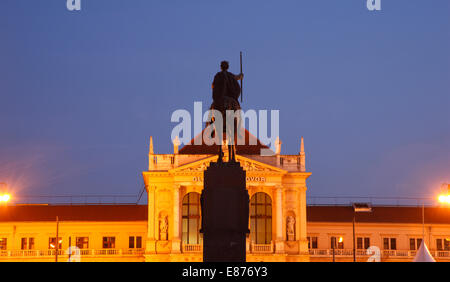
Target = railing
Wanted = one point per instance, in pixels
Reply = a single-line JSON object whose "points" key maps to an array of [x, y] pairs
{"points": [[384, 253], [442, 254], [76, 199], [25, 253], [198, 248], [82, 252], [261, 248], [383, 201], [192, 248], [337, 252], [395, 253], [108, 252]]}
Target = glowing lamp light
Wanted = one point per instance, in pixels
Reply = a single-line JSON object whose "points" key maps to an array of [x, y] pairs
{"points": [[445, 199], [341, 240], [5, 198]]}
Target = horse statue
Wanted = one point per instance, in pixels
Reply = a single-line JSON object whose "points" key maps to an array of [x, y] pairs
{"points": [[226, 91]]}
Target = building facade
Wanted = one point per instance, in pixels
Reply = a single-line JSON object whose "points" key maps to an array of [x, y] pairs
{"points": [[282, 226], [276, 185], [119, 233]]}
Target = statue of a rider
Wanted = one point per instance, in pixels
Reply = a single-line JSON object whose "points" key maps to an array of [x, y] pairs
{"points": [[226, 91]]}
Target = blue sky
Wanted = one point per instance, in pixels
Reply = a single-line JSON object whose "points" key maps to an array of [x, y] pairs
{"points": [[81, 92]]}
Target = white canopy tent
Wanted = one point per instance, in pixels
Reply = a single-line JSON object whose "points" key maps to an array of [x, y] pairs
{"points": [[423, 254]]}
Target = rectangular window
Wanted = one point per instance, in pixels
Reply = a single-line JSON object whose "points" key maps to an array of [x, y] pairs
{"points": [[109, 242], [390, 243], [366, 243], [386, 243], [362, 243], [393, 244], [439, 245], [131, 242], [24, 244], [82, 242], [414, 243], [312, 243], [443, 244], [52, 243], [359, 243], [3, 243], [338, 242], [31, 243], [138, 242], [135, 242]]}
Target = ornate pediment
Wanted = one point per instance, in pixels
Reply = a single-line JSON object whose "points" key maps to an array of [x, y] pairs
{"points": [[255, 166], [248, 164], [196, 166]]}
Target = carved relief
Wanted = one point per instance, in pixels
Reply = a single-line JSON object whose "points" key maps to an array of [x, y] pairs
{"points": [[247, 165]]}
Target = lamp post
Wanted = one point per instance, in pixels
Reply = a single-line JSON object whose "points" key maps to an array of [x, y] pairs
{"points": [[57, 239], [444, 198], [358, 207], [423, 222], [333, 246]]}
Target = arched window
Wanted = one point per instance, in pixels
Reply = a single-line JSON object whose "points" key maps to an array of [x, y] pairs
{"points": [[191, 219], [261, 218]]}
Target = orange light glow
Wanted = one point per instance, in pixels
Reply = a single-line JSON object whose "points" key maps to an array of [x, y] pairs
{"points": [[341, 239], [5, 198], [444, 199]]}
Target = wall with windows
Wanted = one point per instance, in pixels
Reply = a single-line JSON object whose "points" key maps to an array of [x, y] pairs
{"points": [[125, 241], [396, 241], [105, 241]]}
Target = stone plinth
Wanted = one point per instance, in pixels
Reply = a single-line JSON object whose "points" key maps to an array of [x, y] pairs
{"points": [[225, 213]]}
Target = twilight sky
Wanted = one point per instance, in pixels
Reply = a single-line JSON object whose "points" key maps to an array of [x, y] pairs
{"points": [[81, 92]]}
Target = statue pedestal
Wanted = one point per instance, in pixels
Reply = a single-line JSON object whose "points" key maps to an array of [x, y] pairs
{"points": [[225, 213], [279, 247], [176, 246]]}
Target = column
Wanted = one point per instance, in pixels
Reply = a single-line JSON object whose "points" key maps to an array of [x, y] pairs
{"points": [[151, 239], [176, 242], [279, 242], [302, 223]]}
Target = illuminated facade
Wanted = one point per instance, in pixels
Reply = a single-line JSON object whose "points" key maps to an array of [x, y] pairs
{"points": [[282, 226], [277, 190]]}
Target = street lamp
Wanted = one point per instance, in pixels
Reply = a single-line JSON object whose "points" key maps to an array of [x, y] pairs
{"points": [[333, 245], [444, 198], [4, 196], [358, 207]]}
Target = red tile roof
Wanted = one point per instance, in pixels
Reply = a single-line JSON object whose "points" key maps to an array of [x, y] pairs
{"points": [[379, 214], [73, 213], [337, 214], [192, 149]]}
